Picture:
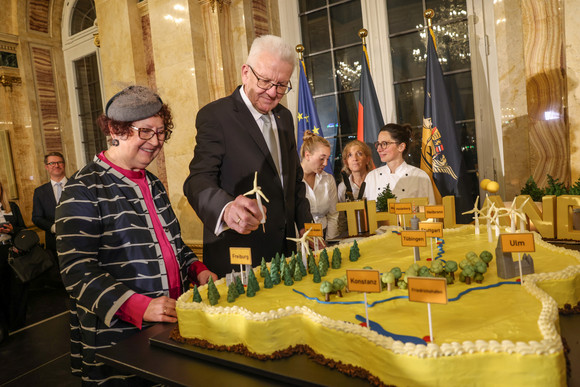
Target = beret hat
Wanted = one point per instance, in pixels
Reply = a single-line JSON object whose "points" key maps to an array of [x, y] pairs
{"points": [[133, 103]]}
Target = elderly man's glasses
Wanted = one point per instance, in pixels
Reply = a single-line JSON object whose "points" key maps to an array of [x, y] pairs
{"points": [[147, 133], [267, 85], [55, 163], [384, 144]]}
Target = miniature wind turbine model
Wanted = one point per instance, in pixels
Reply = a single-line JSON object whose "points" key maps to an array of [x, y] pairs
{"points": [[516, 212], [259, 195], [475, 211], [303, 245], [488, 216], [495, 219]]}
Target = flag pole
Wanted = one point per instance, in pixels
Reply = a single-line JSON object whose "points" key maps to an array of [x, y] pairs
{"points": [[363, 33], [429, 14], [300, 50]]}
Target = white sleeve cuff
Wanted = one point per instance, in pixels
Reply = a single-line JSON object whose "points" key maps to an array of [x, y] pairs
{"points": [[221, 226]]}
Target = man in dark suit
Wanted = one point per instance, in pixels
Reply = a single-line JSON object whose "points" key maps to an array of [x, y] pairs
{"points": [[46, 197], [239, 135]]}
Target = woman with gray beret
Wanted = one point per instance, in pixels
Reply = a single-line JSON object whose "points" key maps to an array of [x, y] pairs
{"points": [[121, 255]]}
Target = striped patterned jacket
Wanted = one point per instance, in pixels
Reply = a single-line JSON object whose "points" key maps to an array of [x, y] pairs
{"points": [[108, 251]]}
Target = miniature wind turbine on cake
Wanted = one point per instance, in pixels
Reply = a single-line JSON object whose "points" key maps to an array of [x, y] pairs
{"points": [[476, 212], [259, 195], [303, 244], [516, 212]]}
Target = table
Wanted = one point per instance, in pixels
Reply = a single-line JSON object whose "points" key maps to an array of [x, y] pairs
{"points": [[151, 355]]}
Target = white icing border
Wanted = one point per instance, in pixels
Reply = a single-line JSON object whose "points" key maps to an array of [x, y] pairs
{"points": [[547, 320]]}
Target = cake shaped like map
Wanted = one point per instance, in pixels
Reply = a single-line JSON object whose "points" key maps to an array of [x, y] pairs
{"points": [[499, 330]]}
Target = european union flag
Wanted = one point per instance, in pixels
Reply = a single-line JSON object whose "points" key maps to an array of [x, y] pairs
{"points": [[441, 155], [307, 115]]}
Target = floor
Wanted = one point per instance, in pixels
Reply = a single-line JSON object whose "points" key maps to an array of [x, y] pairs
{"points": [[39, 353]]}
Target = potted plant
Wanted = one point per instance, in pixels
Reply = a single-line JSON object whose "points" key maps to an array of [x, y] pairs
{"points": [[556, 188], [532, 189], [575, 190]]}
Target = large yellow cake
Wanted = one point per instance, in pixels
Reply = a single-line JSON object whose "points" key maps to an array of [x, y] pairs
{"points": [[496, 333]]}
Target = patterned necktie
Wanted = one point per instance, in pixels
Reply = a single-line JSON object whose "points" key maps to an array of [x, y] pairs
{"points": [[58, 190], [271, 140]]}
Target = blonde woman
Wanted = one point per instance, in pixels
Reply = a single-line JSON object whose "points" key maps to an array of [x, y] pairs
{"points": [[321, 189]]}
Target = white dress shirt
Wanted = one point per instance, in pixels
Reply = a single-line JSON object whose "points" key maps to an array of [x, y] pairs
{"points": [[54, 183], [323, 198], [342, 190], [406, 182]]}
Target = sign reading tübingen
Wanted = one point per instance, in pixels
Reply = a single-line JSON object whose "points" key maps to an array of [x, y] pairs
{"points": [[240, 256], [518, 243], [366, 281], [424, 289], [315, 229], [416, 238]]}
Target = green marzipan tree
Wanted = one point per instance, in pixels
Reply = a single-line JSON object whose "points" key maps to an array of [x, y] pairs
{"points": [[196, 295], [354, 252], [239, 286], [268, 284], [383, 199], [336, 258], [232, 292], [213, 295], [253, 280]]}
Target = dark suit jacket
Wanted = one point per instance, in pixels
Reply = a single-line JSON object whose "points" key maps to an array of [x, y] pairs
{"points": [[230, 149], [43, 206]]}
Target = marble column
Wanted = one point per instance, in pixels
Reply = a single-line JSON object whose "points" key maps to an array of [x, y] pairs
{"points": [[532, 71], [545, 72], [122, 50], [572, 54]]}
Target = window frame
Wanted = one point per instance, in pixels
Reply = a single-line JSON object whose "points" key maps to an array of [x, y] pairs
{"points": [[484, 71], [76, 47]]}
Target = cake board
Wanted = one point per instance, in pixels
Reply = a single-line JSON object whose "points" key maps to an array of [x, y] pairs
{"points": [[296, 370]]}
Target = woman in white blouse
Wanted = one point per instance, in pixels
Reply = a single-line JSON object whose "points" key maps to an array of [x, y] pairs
{"points": [[357, 162], [404, 180], [320, 186]]}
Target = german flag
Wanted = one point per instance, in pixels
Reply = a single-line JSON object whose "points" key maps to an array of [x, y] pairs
{"points": [[370, 118]]}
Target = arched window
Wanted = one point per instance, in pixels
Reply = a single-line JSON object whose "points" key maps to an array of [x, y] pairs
{"points": [[83, 71], [83, 16]]}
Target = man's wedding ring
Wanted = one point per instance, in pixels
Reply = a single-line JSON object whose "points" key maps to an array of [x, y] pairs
{"points": [[238, 221]]}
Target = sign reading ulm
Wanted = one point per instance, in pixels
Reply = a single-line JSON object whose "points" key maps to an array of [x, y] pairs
{"points": [[518, 242]]}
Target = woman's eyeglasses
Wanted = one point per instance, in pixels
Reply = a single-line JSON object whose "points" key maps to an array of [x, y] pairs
{"points": [[147, 133], [384, 144]]}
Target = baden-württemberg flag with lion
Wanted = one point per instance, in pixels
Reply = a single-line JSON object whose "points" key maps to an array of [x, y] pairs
{"points": [[441, 155]]}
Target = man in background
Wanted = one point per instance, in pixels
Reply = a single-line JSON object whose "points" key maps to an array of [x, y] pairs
{"points": [[46, 198]]}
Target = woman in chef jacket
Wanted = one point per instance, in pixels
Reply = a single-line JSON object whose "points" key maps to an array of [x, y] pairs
{"points": [[404, 180]]}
